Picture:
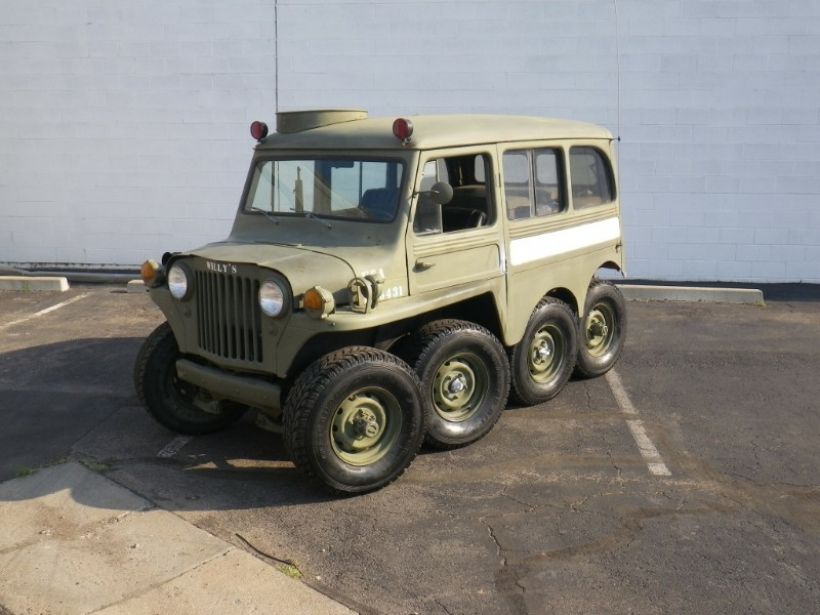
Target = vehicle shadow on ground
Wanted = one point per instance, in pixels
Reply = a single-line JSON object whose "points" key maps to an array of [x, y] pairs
{"points": [[75, 400]]}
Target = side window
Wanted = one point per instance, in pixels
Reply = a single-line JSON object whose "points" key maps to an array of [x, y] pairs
{"points": [[549, 193], [591, 176], [471, 206], [533, 175], [517, 193]]}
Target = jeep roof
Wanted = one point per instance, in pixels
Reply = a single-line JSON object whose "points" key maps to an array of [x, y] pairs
{"points": [[354, 130]]}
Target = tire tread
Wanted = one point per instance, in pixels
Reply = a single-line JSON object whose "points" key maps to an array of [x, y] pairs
{"points": [[422, 345], [305, 393]]}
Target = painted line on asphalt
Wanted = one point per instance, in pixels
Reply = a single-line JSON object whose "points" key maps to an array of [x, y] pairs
{"points": [[173, 447], [47, 310], [647, 448]]}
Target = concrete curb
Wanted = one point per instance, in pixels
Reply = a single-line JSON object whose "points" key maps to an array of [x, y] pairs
{"points": [[641, 292], [34, 283], [79, 543]]}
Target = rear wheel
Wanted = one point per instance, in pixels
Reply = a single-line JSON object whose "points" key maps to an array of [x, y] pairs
{"points": [[176, 404], [543, 360], [353, 419], [602, 330], [465, 381]]}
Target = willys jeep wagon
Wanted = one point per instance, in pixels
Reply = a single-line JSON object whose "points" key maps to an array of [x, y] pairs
{"points": [[388, 282]]}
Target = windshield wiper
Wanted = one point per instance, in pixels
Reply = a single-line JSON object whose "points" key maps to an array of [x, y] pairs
{"points": [[265, 213], [313, 216]]}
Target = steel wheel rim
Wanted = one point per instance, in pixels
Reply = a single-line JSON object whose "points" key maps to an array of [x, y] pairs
{"points": [[459, 387], [546, 353], [365, 426], [600, 329]]}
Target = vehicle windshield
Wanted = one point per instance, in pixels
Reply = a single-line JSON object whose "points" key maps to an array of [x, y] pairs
{"points": [[347, 188]]}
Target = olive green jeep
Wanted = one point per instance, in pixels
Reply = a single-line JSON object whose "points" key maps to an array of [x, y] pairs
{"points": [[388, 282]]}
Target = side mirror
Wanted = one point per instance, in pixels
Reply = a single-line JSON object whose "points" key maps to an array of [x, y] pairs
{"points": [[441, 193]]}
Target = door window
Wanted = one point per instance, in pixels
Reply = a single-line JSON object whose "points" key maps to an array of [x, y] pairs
{"points": [[471, 205]]}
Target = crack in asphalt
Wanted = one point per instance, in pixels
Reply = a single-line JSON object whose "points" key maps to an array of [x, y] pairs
{"points": [[499, 551], [264, 554], [507, 583], [530, 507], [443, 607]]}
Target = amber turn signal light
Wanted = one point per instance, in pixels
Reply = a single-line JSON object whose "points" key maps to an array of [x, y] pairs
{"points": [[318, 302], [148, 271]]}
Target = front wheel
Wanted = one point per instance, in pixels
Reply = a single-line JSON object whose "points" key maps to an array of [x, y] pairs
{"points": [[602, 330], [353, 419], [174, 403]]}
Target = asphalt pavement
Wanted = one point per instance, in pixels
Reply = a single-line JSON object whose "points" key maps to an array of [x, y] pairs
{"points": [[686, 481]]}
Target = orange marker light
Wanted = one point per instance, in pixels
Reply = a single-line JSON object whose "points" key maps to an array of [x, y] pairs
{"points": [[318, 302], [313, 300], [148, 271]]}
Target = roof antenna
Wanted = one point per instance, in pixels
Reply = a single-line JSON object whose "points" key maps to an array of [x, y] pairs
{"points": [[276, 54]]}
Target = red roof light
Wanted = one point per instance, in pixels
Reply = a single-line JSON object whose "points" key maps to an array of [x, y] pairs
{"points": [[259, 130], [403, 129]]}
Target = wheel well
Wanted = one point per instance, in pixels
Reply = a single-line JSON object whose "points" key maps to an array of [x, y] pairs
{"points": [[480, 310], [565, 295], [612, 266]]}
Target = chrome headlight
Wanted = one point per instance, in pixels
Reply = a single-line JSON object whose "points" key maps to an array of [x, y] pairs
{"points": [[271, 298], [178, 282]]}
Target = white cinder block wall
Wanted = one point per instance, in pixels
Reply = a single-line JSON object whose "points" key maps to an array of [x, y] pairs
{"points": [[123, 126]]}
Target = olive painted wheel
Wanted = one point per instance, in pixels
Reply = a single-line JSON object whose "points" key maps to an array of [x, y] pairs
{"points": [[465, 381], [543, 360], [171, 401], [602, 330], [353, 419]]}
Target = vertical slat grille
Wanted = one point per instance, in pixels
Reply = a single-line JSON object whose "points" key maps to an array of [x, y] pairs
{"points": [[229, 323]]}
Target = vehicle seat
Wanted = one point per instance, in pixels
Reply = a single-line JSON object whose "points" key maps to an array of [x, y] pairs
{"points": [[468, 209], [379, 203], [458, 218]]}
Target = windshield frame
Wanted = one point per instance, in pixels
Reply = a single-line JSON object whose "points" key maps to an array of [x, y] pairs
{"points": [[244, 205]]}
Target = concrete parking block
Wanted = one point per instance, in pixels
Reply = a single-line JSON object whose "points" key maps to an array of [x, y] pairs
{"points": [[692, 293], [136, 286], [34, 283]]}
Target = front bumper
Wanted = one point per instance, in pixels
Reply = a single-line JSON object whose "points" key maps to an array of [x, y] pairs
{"points": [[246, 390]]}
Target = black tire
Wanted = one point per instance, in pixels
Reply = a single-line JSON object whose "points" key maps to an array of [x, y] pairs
{"points": [[168, 399], [331, 408], [455, 353], [602, 330], [542, 362]]}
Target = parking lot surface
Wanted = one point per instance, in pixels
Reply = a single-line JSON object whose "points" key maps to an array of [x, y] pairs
{"points": [[686, 481]]}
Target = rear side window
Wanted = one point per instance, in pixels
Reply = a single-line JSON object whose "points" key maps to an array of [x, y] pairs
{"points": [[591, 177], [517, 184], [533, 183]]}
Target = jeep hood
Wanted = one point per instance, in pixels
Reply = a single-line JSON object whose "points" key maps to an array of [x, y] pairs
{"points": [[304, 267]]}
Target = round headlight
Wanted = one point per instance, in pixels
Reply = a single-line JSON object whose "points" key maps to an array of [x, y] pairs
{"points": [[271, 298], [178, 282]]}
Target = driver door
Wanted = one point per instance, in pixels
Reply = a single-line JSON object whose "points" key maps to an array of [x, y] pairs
{"points": [[458, 242]]}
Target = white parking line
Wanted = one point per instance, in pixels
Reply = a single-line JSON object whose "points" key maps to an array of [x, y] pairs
{"points": [[44, 312], [173, 447], [646, 447]]}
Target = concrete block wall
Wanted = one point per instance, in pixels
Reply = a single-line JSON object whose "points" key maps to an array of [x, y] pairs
{"points": [[123, 126]]}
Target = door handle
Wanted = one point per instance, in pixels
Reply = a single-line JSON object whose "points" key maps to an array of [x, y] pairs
{"points": [[423, 265]]}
